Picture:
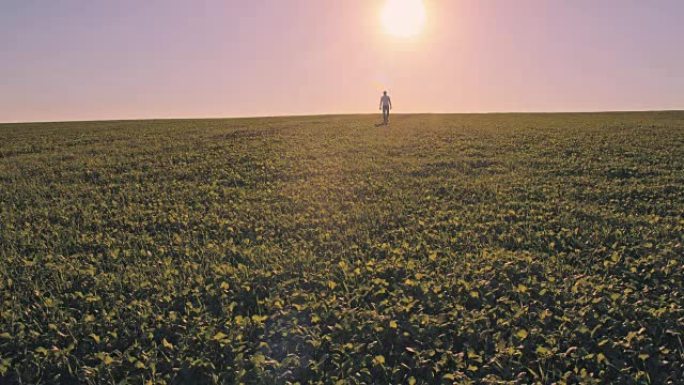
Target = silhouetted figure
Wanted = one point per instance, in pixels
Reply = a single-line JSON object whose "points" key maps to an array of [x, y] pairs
{"points": [[385, 106]]}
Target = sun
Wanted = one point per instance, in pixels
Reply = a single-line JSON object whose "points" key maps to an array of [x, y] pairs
{"points": [[403, 18]]}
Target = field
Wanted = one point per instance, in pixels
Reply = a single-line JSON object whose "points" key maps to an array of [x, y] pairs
{"points": [[498, 249]]}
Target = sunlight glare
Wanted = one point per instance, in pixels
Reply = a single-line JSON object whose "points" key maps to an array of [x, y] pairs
{"points": [[403, 18]]}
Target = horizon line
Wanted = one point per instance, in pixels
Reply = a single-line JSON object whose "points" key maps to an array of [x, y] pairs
{"points": [[296, 115]]}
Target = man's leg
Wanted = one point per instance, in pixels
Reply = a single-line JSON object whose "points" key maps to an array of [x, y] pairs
{"points": [[385, 114]]}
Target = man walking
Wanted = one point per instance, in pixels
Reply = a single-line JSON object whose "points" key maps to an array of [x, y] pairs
{"points": [[385, 106]]}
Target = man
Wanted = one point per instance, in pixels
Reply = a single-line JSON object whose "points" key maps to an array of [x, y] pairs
{"points": [[385, 106]]}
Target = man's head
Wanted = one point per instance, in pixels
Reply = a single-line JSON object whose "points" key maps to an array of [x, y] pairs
{"points": [[384, 92]]}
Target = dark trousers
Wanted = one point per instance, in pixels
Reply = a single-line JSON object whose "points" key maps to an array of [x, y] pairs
{"points": [[385, 114]]}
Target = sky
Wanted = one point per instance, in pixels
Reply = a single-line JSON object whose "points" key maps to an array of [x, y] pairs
{"points": [[128, 59]]}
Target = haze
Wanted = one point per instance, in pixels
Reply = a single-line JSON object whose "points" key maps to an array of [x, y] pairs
{"points": [[82, 60]]}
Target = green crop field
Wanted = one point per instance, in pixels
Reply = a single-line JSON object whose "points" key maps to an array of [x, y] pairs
{"points": [[497, 249]]}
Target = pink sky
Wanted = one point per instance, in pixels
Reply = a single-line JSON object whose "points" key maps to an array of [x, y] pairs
{"points": [[81, 59]]}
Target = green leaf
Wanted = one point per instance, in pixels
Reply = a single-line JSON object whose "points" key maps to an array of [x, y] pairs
{"points": [[521, 334], [220, 336], [41, 350], [543, 351], [601, 358], [107, 359], [95, 337], [167, 344]]}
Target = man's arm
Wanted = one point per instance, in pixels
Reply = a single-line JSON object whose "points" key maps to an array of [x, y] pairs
{"points": [[390, 102], [380, 105]]}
